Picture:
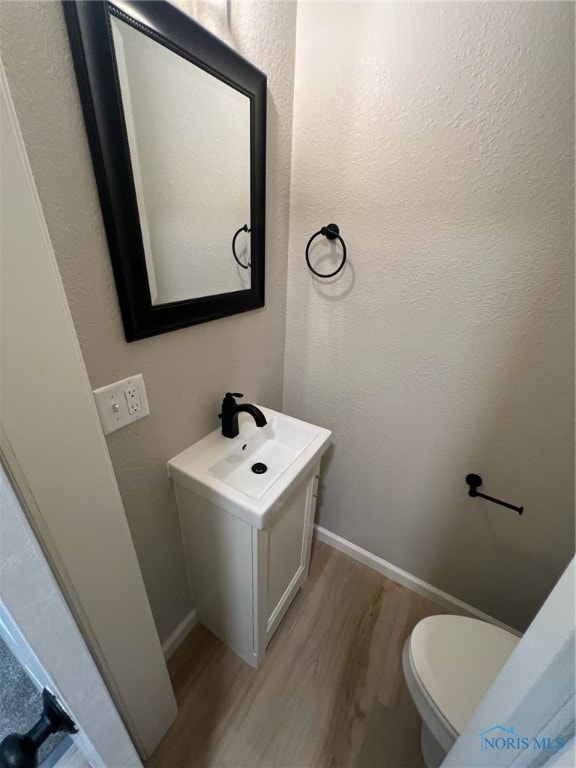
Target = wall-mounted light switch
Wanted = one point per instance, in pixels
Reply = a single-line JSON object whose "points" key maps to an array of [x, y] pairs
{"points": [[121, 403]]}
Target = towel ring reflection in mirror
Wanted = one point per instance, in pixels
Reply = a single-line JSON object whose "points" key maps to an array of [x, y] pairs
{"points": [[245, 228]]}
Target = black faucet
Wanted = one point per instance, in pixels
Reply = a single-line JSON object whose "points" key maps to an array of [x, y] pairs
{"points": [[230, 411]]}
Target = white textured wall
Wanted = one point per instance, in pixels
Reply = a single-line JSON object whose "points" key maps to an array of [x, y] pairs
{"points": [[440, 137], [186, 371]]}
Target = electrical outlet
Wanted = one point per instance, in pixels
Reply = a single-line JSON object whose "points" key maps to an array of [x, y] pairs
{"points": [[121, 403], [133, 400]]}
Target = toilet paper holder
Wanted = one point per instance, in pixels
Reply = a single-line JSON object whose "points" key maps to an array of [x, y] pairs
{"points": [[475, 481]]}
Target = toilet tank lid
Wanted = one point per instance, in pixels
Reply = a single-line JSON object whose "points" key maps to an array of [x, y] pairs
{"points": [[456, 659]]}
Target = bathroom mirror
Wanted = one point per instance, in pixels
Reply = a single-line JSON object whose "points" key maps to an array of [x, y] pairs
{"points": [[176, 122]]}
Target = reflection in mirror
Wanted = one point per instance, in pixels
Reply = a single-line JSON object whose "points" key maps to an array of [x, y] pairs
{"points": [[190, 153], [176, 121]]}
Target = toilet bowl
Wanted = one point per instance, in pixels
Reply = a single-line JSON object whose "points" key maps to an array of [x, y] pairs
{"points": [[449, 663]]}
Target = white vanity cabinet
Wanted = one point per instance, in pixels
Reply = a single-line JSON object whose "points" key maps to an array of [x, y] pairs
{"points": [[247, 508], [243, 579]]}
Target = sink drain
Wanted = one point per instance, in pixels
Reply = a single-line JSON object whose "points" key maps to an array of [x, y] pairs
{"points": [[259, 468]]}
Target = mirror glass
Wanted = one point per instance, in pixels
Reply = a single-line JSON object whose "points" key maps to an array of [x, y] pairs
{"points": [[190, 154], [176, 121]]}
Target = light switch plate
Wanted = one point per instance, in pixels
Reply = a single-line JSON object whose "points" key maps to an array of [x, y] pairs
{"points": [[121, 403]]}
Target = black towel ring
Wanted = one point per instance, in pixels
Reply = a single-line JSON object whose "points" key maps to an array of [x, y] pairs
{"points": [[245, 228], [332, 231]]}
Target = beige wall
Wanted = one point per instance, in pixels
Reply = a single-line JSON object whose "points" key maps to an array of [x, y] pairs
{"points": [[440, 137], [186, 371]]}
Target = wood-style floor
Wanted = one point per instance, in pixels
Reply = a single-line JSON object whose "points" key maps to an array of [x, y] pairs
{"points": [[329, 694]]}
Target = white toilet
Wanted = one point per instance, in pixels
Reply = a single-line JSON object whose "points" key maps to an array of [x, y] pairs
{"points": [[449, 663]]}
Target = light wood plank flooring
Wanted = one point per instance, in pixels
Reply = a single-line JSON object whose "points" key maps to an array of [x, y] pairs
{"points": [[329, 694]]}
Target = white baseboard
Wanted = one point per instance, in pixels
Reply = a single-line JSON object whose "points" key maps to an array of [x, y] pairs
{"points": [[179, 634], [406, 579]]}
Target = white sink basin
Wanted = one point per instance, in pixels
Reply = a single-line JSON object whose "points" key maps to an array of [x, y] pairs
{"points": [[220, 468]]}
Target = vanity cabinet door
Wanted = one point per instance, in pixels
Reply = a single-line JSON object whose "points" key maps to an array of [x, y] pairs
{"points": [[243, 579], [289, 541]]}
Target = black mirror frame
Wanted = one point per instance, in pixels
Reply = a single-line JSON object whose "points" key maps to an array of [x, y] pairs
{"points": [[93, 54]]}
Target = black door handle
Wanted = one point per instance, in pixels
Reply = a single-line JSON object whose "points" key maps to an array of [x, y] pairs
{"points": [[21, 750]]}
